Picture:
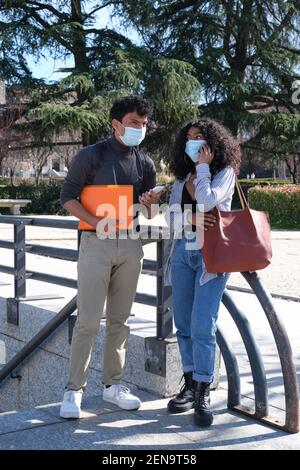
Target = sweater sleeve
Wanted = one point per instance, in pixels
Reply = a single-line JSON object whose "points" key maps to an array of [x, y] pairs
{"points": [[150, 176], [211, 193], [77, 176]]}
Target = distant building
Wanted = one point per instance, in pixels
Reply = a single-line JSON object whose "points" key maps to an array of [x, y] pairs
{"points": [[22, 159]]}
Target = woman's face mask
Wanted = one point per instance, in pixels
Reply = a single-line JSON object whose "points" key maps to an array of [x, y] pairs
{"points": [[193, 147], [133, 136]]}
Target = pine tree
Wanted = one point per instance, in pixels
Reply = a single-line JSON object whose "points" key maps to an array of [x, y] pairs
{"points": [[106, 65], [245, 54]]}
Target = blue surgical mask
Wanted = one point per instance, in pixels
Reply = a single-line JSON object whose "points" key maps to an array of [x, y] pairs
{"points": [[133, 136], [193, 147]]}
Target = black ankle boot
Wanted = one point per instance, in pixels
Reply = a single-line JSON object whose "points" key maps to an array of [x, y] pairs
{"points": [[203, 415], [185, 400]]}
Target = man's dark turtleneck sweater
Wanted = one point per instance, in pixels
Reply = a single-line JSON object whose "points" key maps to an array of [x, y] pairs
{"points": [[109, 162]]}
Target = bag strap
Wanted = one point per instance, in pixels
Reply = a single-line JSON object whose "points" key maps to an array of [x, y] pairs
{"points": [[243, 200]]}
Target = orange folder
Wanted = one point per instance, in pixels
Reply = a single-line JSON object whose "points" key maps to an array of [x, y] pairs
{"points": [[109, 201]]}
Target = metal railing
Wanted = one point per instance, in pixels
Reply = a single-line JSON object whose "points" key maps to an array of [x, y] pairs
{"points": [[164, 325], [20, 273]]}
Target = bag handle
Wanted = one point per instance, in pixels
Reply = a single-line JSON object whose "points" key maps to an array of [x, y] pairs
{"points": [[243, 200]]}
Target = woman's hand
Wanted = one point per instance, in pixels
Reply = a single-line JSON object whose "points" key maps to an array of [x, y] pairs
{"points": [[205, 220], [206, 155]]}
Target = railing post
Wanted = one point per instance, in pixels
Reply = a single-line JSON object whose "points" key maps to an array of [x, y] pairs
{"points": [[291, 388], [164, 315], [79, 232], [19, 273], [19, 260]]}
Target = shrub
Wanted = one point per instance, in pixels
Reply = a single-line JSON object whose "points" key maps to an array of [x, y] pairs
{"points": [[247, 184], [45, 198], [262, 181], [282, 203]]}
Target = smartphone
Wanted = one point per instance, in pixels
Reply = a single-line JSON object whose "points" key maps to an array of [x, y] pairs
{"points": [[158, 189]]}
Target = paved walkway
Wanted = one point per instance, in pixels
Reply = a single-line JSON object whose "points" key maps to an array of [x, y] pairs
{"points": [[104, 426], [283, 274]]}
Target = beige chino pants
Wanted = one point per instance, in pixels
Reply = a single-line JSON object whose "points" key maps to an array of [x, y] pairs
{"points": [[106, 269]]}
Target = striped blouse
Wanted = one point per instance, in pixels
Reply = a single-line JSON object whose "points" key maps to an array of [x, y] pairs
{"points": [[209, 194]]}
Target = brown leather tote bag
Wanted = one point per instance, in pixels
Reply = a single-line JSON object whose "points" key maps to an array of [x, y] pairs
{"points": [[239, 241]]}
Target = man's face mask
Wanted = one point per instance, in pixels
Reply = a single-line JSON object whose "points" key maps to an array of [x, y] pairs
{"points": [[193, 147], [133, 136]]}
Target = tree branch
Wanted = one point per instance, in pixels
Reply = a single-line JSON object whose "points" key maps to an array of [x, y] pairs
{"points": [[289, 49], [50, 8], [227, 31], [285, 21], [99, 7], [48, 26]]}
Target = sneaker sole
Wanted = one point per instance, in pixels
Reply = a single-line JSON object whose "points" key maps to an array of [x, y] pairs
{"points": [[128, 408]]}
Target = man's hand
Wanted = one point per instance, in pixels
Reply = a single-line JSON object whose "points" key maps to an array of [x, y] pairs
{"points": [[150, 197], [150, 200], [94, 221]]}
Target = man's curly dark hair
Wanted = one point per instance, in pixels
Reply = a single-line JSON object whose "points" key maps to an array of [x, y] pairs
{"points": [[129, 104], [226, 148]]}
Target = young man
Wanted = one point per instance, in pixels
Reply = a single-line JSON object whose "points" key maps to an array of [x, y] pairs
{"points": [[107, 268]]}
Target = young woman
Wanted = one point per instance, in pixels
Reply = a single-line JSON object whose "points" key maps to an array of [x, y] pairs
{"points": [[206, 160]]}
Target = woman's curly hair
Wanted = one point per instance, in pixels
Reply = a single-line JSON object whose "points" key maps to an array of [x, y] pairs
{"points": [[226, 148]]}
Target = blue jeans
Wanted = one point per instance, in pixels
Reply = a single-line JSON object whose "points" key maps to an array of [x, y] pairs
{"points": [[195, 310]]}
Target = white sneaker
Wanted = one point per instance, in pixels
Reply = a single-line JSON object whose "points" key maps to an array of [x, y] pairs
{"points": [[70, 407], [121, 396]]}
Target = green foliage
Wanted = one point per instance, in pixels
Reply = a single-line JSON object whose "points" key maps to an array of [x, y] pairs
{"points": [[174, 91], [278, 138], [245, 56], [80, 82], [122, 72], [58, 117], [256, 181], [221, 59], [247, 184], [284, 127], [282, 203], [45, 198]]}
